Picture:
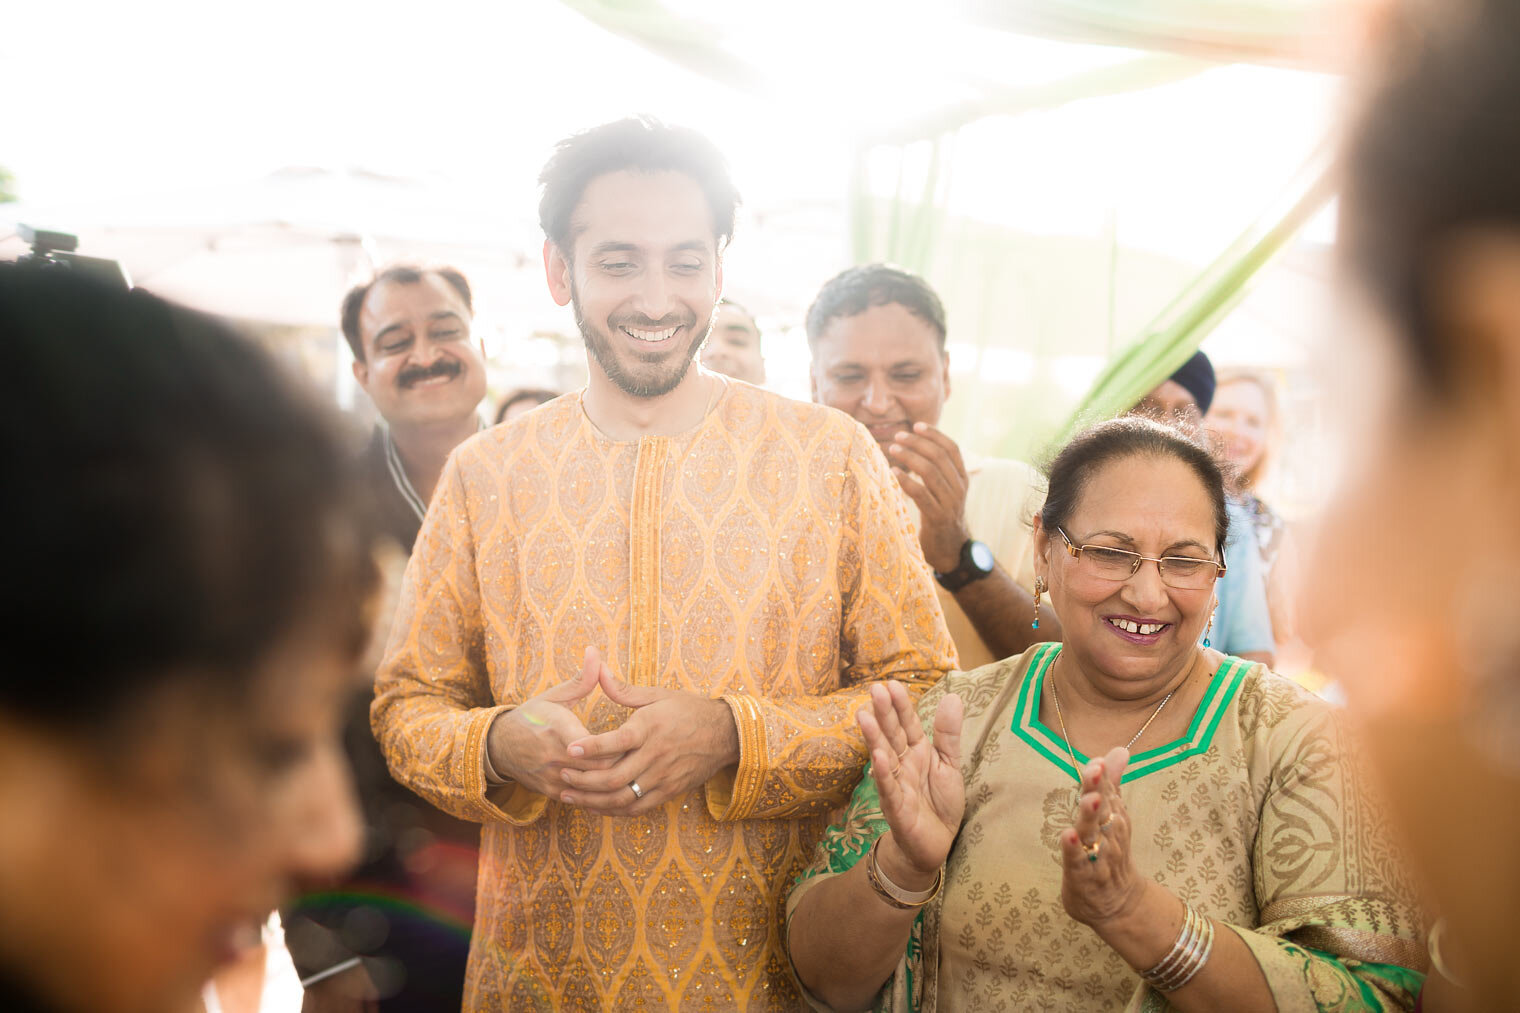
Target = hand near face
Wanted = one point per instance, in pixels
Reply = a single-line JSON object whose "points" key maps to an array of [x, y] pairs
{"points": [[923, 796], [530, 744], [671, 743], [1095, 892], [929, 468]]}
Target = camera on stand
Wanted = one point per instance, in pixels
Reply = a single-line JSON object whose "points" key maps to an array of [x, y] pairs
{"points": [[55, 251]]}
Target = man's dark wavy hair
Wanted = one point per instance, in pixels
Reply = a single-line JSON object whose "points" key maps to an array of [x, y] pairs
{"points": [[640, 144], [855, 290]]}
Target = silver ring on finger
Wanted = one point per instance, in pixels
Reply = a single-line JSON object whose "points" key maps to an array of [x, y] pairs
{"points": [[1106, 825], [638, 792]]}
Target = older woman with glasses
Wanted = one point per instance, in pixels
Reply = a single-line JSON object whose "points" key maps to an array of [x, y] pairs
{"points": [[1126, 821]]}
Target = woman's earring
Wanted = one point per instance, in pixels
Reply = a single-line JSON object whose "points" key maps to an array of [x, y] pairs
{"points": [[1213, 610], [1040, 588]]}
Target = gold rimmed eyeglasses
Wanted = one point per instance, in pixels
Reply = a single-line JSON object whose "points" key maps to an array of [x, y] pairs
{"points": [[1185, 573]]}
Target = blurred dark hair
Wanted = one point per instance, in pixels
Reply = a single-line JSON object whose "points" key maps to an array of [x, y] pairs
{"points": [[177, 507], [538, 395], [399, 274], [1117, 439], [640, 144], [857, 289], [1433, 151]]}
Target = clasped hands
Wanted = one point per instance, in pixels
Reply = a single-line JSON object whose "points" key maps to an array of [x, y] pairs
{"points": [[671, 743]]}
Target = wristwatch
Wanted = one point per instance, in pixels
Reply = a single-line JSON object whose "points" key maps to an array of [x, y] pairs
{"points": [[976, 562]]}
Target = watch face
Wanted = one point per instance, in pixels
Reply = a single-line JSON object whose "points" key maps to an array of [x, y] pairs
{"points": [[982, 557]]}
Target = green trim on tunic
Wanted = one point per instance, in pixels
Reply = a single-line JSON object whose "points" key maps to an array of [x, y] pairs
{"points": [[1259, 817], [1046, 741]]}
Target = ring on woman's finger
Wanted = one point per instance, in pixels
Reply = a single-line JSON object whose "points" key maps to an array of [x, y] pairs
{"points": [[1091, 849], [902, 753], [1105, 824]]}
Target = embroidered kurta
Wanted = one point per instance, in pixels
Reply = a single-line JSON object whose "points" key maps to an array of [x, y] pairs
{"points": [[1257, 815], [764, 557]]}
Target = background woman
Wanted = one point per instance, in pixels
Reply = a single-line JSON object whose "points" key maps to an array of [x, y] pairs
{"points": [[1244, 421], [181, 613], [1415, 605], [1221, 854]]}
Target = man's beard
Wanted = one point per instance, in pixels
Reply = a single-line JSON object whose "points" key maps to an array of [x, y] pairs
{"points": [[651, 383]]}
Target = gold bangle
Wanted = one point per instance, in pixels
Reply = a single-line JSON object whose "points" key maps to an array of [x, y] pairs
{"points": [[903, 900]]}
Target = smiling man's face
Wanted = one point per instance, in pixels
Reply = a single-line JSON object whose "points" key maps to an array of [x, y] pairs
{"points": [[420, 366], [643, 274], [883, 366]]}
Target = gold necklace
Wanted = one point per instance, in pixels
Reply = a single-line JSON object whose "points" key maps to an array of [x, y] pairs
{"points": [[1066, 739]]}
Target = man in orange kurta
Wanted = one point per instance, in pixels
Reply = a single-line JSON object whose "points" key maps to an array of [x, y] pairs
{"points": [[746, 567]]}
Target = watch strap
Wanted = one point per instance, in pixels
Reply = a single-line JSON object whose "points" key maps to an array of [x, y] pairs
{"points": [[965, 572]]}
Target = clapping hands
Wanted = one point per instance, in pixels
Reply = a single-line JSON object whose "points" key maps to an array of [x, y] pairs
{"points": [[923, 796]]}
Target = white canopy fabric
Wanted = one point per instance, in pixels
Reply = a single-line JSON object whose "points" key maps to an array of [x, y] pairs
{"points": [[175, 135]]}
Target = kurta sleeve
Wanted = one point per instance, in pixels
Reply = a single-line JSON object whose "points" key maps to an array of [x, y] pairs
{"points": [[803, 754], [1338, 928], [433, 700]]}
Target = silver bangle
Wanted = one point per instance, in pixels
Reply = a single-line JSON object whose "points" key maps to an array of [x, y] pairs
{"points": [[1164, 967], [492, 777], [1203, 957], [1187, 956]]}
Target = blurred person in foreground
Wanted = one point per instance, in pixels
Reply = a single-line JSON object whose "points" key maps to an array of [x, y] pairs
{"points": [[1241, 623], [640, 619], [733, 347], [521, 401], [414, 355], [397, 930], [1415, 605], [184, 605], [1125, 821], [877, 335], [1245, 424]]}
